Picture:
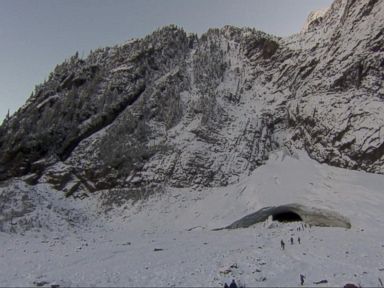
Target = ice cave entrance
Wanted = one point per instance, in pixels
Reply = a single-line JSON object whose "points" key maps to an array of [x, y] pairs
{"points": [[293, 212], [287, 216]]}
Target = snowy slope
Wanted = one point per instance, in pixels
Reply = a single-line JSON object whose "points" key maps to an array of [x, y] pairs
{"points": [[120, 249]]}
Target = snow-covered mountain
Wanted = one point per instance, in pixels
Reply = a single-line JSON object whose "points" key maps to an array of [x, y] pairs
{"points": [[173, 135], [176, 110]]}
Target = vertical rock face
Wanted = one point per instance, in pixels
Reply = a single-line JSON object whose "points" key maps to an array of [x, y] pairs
{"points": [[175, 109], [339, 104]]}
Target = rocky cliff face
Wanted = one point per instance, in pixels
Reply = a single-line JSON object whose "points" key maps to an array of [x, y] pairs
{"points": [[174, 109], [338, 105]]}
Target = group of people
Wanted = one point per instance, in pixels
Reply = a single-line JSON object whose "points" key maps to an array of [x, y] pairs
{"points": [[299, 228], [282, 243], [232, 285]]}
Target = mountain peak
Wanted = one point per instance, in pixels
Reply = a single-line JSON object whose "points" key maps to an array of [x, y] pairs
{"points": [[181, 110], [314, 19]]}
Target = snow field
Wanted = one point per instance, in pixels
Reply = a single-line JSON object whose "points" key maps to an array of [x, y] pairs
{"points": [[168, 241]]}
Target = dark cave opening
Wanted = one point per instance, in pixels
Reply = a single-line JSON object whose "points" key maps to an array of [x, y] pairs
{"points": [[286, 217]]}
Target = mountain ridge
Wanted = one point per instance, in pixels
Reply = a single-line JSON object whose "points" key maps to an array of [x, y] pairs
{"points": [[174, 109]]}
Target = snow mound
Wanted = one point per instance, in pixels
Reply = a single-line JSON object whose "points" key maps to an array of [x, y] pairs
{"points": [[41, 208]]}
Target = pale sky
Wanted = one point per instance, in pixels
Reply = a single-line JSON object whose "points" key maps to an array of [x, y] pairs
{"points": [[35, 35]]}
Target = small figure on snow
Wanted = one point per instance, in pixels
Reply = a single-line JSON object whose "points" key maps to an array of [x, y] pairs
{"points": [[291, 240], [298, 239], [226, 285], [233, 284], [302, 277], [282, 244]]}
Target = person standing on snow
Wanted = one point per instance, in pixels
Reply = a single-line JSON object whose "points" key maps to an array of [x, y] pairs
{"points": [[233, 284], [282, 244], [302, 277]]}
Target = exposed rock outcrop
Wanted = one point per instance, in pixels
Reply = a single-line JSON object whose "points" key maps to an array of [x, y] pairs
{"points": [[180, 110]]}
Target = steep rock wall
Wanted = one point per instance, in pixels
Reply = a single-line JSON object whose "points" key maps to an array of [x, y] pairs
{"points": [[181, 110]]}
